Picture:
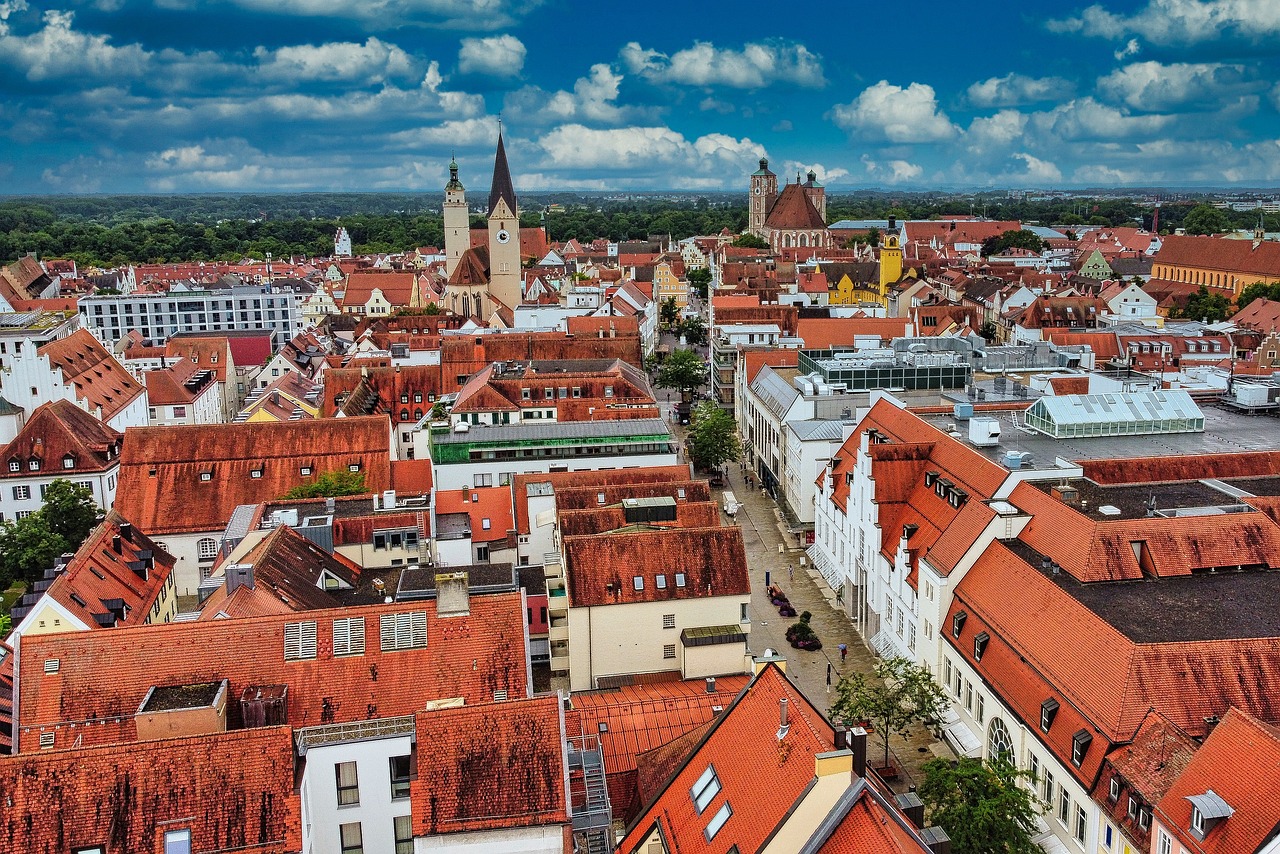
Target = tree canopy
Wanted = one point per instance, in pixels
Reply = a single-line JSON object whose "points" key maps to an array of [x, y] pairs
{"points": [[694, 330], [683, 371], [1206, 305], [700, 280], [329, 484], [1206, 219], [750, 241], [29, 545], [980, 806], [896, 695], [713, 437], [1258, 290], [1014, 239]]}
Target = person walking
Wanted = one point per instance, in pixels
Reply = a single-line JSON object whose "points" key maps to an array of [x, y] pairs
{"points": [[791, 573], [844, 651]]}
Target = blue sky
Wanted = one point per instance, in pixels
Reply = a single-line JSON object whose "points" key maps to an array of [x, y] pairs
{"points": [[254, 95]]}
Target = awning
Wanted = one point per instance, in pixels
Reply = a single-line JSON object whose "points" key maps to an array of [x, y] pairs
{"points": [[962, 740], [825, 566]]}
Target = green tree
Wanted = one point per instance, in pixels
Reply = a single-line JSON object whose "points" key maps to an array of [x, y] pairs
{"points": [[988, 330], [897, 694], [69, 511], [1015, 239], [27, 549], [694, 330], [713, 437], [1258, 290], [683, 371], [669, 312], [1204, 305], [980, 806], [328, 485], [1206, 219], [750, 241], [700, 281]]}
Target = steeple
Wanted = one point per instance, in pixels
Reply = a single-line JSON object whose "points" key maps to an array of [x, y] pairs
{"points": [[502, 186], [454, 183]]}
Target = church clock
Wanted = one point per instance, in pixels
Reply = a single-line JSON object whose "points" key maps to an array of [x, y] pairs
{"points": [[504, 235]]}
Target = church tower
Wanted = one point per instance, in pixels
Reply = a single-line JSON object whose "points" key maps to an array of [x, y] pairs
{"points": [[505, 276], [817, 194], [764, 190], [890, 258], [457, 225]]}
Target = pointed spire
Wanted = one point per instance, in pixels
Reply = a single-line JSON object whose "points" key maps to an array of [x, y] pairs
{"points": [[454, 183], [502, 186]]}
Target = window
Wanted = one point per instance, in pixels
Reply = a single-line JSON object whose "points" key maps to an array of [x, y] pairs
{"points": [[1079, 747], [1000, 743], [1080, 825], [980, 645], [982, 708], [403, 828], [1106, 838], [351, 838], [399, 777], [679, 579], [1133, 808], [668, 621], [1144, 818], [660, 582], [68, 462], [1113, 794], [15, 465], [1047, 792], [1064, 805], [1033, 767], [957, 624], [669, 651], [348, 636], [638, 582], [717, 821], [706, 788], [1048, 709], [348, 784], [353, 468], [206, 476], [404, 631], [179, 412], [746, 616], [46, 740], [305, 471], [206, 548], [300, 641], [177, 842], [1165, 845], [21, 493]]}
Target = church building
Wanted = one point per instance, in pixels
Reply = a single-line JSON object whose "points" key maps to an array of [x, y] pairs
{"points": [[794, 218], [486, 277]]}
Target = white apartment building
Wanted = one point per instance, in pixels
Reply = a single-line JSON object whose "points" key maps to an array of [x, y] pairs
{"points": [[158, 316]]}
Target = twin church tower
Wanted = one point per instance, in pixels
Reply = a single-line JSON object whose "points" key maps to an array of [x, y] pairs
{"points": [[484, 274]]}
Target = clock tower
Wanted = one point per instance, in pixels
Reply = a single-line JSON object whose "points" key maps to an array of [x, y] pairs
{"points": [[457, 226], [505, 276], [764, 190]]}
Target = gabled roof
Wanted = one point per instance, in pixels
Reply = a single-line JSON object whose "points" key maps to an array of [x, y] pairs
{"points": [[98, 378], [56, 431], [288, 570], [1240, 763], [1147, 766], [523, 485], [213, 353], [1219, 253], [396, 287], [103, 676], [180, 383], [490, 767], [124, 800], [1262, 315], [793, 209], [472, 268], [163, 469], [739, 746], [602, 569]]}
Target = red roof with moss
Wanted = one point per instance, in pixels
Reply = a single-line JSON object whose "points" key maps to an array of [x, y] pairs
{"points": [[98, 378], [602, 570]]}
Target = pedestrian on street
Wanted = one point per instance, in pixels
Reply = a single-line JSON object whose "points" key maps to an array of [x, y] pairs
{"points": [[791, 573], [844, 651]]}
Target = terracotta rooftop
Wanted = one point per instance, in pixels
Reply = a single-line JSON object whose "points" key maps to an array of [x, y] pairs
{"points": [[98, 378], [191, 478], [396, 287], [555, 481], [600, 520], [823, 333], [489, 508], [793, 209], [122, 801], [1145, 767], [57, 431], [684, 563], [490, 766], [212, 353], [1219, 253], [180, 383], [102, 677]]}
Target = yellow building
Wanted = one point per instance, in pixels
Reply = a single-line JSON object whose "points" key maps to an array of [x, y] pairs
{"points": [[1225, 264]]}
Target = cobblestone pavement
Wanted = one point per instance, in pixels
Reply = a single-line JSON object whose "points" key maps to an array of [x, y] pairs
{"points": [[770, 548]]}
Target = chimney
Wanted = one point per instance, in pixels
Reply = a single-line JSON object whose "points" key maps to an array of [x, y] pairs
{"points": [[783, 726], [711, 684], [936, 840], [239, 575], [115, 544], [912, 807], [126, 532], [858, 745], [453, 597]]}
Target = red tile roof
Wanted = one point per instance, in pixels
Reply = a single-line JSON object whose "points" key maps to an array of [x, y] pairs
{"points": [[57, 430], [103, 676], [162, 468], [213, 353], [1160, 469], [397, 288], [489, 767], [602, 569], [1240, 762], [581, 479], [870, 827], [603, 327], [822, 333], [98, 378], [287, 576], [1262, 314], [761, 776], [179, 383], [490, 504], [754, 360], [463, 355], [588, 497], [599, 520], [1145, 767], [793, 209], [233, 791], [1220, 253]]}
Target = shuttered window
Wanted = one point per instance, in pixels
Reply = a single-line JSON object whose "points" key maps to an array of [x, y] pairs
{"points": [[300, 641], [404, 631], [348, 636]]}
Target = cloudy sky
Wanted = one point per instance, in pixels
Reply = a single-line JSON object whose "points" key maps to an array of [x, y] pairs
{"points": [[251, 95]]}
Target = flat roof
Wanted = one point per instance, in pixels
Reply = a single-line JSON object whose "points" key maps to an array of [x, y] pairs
{"points": [[1224, 433], [555, 430], [1211, 606], [1131, 499]]}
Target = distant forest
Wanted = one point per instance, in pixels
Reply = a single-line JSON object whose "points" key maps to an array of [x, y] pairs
{"points": [[114, 230]]}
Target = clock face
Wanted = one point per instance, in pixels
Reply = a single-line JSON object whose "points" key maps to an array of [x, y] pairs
{"points": [[503, 236], [757, 191]]}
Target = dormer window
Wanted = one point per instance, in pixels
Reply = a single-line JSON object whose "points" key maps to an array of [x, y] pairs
{"points": [[353, 468], [69, 462], [33, 464], [1048, 711], [1114, 794], [1206, 811], [957, 624], [15, 465], [980, 645], [638, 582], [1080, 746]]}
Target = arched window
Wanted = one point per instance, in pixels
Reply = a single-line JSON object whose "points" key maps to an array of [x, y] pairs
{"points": [[786, 241], [206, 548], [1000, 743], [804, 240]]}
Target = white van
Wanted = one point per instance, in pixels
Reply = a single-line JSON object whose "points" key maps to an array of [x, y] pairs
{"points": [[731, 504]]}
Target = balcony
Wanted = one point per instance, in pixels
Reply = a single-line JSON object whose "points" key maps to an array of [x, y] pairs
{"points": [[559, 631], [560, 663], [557, 601]]}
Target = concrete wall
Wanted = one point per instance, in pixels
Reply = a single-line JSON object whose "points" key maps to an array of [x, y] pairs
{"points": [[525, 840], [321, 815]]}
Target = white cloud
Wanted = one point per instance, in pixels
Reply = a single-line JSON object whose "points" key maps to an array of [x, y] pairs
{"points": [[783, 126], [658, 148], [452, 14], [824, 173], [58, 51], [1087, 119], [1170, 22], [593, 99], [892, 171], [1154, 86], [374, 61], [710, 104], [1131, 48], [1038, 171], [889, 112], [1015, 89], [997, 131], [8, 7], [757, 65], [495, 56]]}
